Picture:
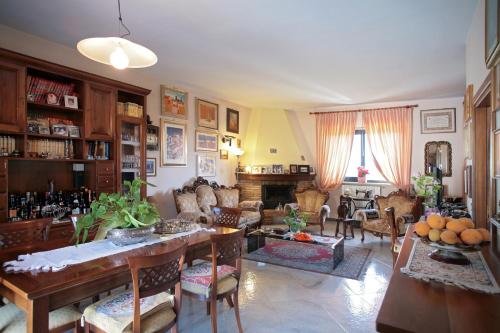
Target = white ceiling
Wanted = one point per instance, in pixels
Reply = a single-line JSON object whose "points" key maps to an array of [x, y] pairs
{"points": [[278, 53]]}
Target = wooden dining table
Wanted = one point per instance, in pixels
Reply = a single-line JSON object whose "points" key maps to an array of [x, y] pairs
{"points": [[39, 293], [412, 305]]}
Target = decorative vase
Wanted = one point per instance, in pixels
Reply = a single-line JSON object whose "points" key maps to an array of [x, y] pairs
{"points": [[123, 237], [362, 180]]}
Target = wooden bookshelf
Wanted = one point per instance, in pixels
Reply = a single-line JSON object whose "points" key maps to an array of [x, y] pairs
{"points": [[95, 116]]}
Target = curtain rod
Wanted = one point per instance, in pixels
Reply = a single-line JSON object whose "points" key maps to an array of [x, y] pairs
{"points": [[361, 110]]}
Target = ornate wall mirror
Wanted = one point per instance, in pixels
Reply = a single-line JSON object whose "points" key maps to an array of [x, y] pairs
{"points": [[438, 153]]}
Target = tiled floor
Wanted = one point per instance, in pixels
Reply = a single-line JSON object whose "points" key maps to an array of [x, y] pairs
{"points": [[280, 299]]}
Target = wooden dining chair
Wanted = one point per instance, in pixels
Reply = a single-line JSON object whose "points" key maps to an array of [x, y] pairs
{"points": [[226, 217], [16, 234], [149, 307], [219, 279], [13, 319], [395, 243]]}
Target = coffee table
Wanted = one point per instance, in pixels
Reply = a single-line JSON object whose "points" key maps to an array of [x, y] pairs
{"points": [[257, 239]]}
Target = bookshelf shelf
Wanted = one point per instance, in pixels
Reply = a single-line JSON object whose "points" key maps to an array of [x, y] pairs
{"points": [[51, 107]]}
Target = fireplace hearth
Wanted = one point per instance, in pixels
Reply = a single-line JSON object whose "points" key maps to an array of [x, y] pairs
{"points": [[273, 195]]}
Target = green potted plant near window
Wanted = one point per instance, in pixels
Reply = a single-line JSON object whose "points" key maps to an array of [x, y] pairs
{"points": [[427, 187], [296, 221], [123, 218]]}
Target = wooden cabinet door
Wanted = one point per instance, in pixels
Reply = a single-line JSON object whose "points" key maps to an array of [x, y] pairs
{"points": [[100, 112], [12, 97]]}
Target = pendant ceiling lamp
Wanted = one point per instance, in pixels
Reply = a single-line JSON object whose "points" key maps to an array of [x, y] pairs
{"points": [[117, 51]]}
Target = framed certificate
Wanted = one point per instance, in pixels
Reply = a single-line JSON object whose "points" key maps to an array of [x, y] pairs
{"points": [[437, 121]]}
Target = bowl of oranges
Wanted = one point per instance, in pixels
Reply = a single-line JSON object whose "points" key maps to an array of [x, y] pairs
{"points": [[451, 237]]}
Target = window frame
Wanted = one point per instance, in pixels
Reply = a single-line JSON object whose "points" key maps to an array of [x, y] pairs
{"points": [[362, 132]]}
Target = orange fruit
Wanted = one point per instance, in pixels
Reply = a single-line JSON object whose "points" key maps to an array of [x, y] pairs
{"points": [[471, 236], [422, 228], [485, 234], [456, 225], [436, 221], [449, 237]]}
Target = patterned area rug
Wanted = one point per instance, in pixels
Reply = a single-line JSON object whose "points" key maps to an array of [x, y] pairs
{"points": [[314, 258]]}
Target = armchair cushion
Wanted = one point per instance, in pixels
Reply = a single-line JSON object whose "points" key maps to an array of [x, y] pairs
{"points": [[205, 197], [311, 200], [250, 205], [187, 203], [227, 197], [248, 217]]}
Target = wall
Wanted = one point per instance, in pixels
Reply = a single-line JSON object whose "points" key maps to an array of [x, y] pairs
{"points": [[303, 129], [475, 66], [271, 128], [167, 178]]}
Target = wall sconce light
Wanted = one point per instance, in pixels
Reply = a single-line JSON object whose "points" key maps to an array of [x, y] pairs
{"points": [[228, 139]]}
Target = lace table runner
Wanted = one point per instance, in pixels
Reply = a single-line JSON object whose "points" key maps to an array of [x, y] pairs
{"points": [[476, 276], [58, 259]]}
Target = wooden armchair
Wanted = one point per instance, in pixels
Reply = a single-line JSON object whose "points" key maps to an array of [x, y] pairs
{"points": [[311, 201], [395, 242], [406, 210]]}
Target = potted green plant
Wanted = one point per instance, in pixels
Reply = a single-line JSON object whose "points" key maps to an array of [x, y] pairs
{"points": [[427, 187], [296, 221], [124, 218]]}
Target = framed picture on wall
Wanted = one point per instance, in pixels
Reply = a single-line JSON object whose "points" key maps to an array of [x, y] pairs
{"points": [[303, 169], [437, 121], [150, 167], [206, 141], [206, 165], [294, 169], [207, 114], [224, 154], [232, 121], [173, 103], [173, 144]]}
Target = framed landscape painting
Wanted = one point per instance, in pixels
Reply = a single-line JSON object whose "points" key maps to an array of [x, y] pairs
{"points": [[206, 141], [207, 114], [437, 121], [173, 144], [173, 103], [206, 165], [233, 121]]}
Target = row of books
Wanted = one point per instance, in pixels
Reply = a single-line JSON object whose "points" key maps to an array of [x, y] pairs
{"points": [[129, 109], [38, 88], [98, 150]]}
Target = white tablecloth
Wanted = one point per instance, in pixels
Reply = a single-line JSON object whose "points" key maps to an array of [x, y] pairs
{"points": [[55, 260]]}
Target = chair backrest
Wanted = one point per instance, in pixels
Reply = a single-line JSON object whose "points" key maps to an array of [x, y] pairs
{"points": [[342, 210], [226, 217], [391, 218], [401, 203], [16, 234], [153, 274], [311, 199], [226, 250]]}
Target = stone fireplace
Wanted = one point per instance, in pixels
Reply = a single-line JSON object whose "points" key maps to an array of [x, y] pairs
{"points": [[272, 189]]}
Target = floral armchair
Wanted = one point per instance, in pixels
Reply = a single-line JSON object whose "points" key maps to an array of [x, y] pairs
{"points": [[195, 203], [312, 202], [406, 210]]}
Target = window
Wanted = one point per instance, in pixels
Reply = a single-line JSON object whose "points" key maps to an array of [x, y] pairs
{"points": [[361, 155]]}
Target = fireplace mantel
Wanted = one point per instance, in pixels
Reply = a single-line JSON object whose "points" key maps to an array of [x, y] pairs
{"points": [[276, 177]]}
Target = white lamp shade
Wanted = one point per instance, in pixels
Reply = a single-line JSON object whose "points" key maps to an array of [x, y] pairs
{"points": [[101, 49]]}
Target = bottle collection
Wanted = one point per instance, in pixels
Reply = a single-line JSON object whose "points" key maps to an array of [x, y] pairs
{"points": [[33, 205]]}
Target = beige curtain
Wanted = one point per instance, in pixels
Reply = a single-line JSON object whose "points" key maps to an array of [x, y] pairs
{"points": [[334, 136], [389, 133]]}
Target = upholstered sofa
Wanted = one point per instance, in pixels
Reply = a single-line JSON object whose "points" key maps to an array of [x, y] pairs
{"points": [[195, 203], [311, 201], [406, 210]]}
